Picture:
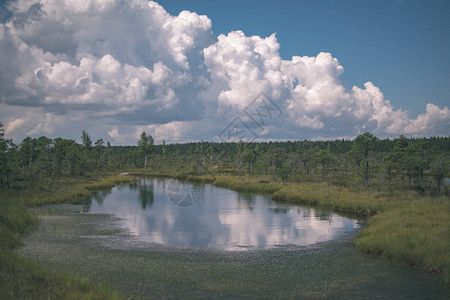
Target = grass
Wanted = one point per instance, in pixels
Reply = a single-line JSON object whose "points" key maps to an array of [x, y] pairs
{"points": [[248, 184], [330, 270], [332, 197], [403, 227], [20, 278], [108, 182], [414, 232]]}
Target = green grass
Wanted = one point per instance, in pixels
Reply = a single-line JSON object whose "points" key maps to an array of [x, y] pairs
{"points": [[248, 184], [407, 229], [330, 270], [332, 197], [109, 182], [414, 232], [20, 278], [404, 227]]}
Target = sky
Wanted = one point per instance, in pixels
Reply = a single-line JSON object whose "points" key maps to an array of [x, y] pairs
{"points": [[224, 70]]}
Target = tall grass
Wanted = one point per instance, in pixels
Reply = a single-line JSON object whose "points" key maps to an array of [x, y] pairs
{"points": [[414, 232], [109, 182], [21, 279], [404, 227], [248, 184], [335, 198]]}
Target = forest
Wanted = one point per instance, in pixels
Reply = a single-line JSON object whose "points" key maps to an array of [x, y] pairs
{"points": [[401, 183], [419, 164]]}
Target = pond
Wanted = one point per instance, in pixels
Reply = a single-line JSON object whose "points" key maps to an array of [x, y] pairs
{"points": [[183, 214]]}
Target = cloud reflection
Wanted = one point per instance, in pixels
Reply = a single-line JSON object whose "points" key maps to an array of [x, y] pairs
{"points": [[222, 219]]}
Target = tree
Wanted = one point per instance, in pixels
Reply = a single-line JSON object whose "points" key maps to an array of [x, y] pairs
{"points": [[416, 159], [108, 153], [306, 153], [28, 154], [60, 147], [87, 146], [277, 156], [240, 150], [99, 145], [324, 158], [164, 149], [250, 156], [361, 152], [439, 168], [74, 160], [396, 157], [284, 171], [45, 156], [5, 168], [86, 140], [201, 153], [145, 145]]}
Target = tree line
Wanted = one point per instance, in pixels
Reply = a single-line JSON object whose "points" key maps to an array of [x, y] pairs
{"points": [[419, 163], [37, 158]]}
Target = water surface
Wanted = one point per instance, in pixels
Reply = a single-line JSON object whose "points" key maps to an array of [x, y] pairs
{"points": [[173, 213]]}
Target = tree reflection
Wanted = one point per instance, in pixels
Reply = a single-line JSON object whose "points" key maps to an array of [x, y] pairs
{"points": [[145, 194], [305, 211], [133, 186], [247, 199], [323, 215], [99, 197], [281, 210]]}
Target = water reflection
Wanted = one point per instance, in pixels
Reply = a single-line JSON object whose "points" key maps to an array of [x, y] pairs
{"points": [[220, 219]]}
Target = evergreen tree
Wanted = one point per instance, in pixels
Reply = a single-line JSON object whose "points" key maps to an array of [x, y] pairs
{"points": [[362, 150], [145, 145]]}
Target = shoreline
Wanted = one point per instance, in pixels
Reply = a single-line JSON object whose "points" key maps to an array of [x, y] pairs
{"points": [[332, 269], [367, 241], [421, 239]]}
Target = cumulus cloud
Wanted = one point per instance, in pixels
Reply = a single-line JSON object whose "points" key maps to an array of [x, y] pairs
{"points": [[435, 119], [309, 90], [117, 67], [86, 55]]}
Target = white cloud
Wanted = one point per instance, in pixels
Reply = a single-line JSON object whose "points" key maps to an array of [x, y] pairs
{"points": [[175, 131], [113, 66], [434, 120], [88, 55], [308, 89], [248, 65]]}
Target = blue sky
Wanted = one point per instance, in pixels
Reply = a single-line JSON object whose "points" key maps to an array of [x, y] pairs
{"points": [[184, 70], [403, 47]]}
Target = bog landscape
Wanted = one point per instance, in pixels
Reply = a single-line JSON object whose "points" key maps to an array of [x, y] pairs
{"points": [[217, 149], [113, 235]]}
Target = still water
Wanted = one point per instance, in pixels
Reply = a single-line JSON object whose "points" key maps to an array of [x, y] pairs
{"points": [[182, 214]]}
